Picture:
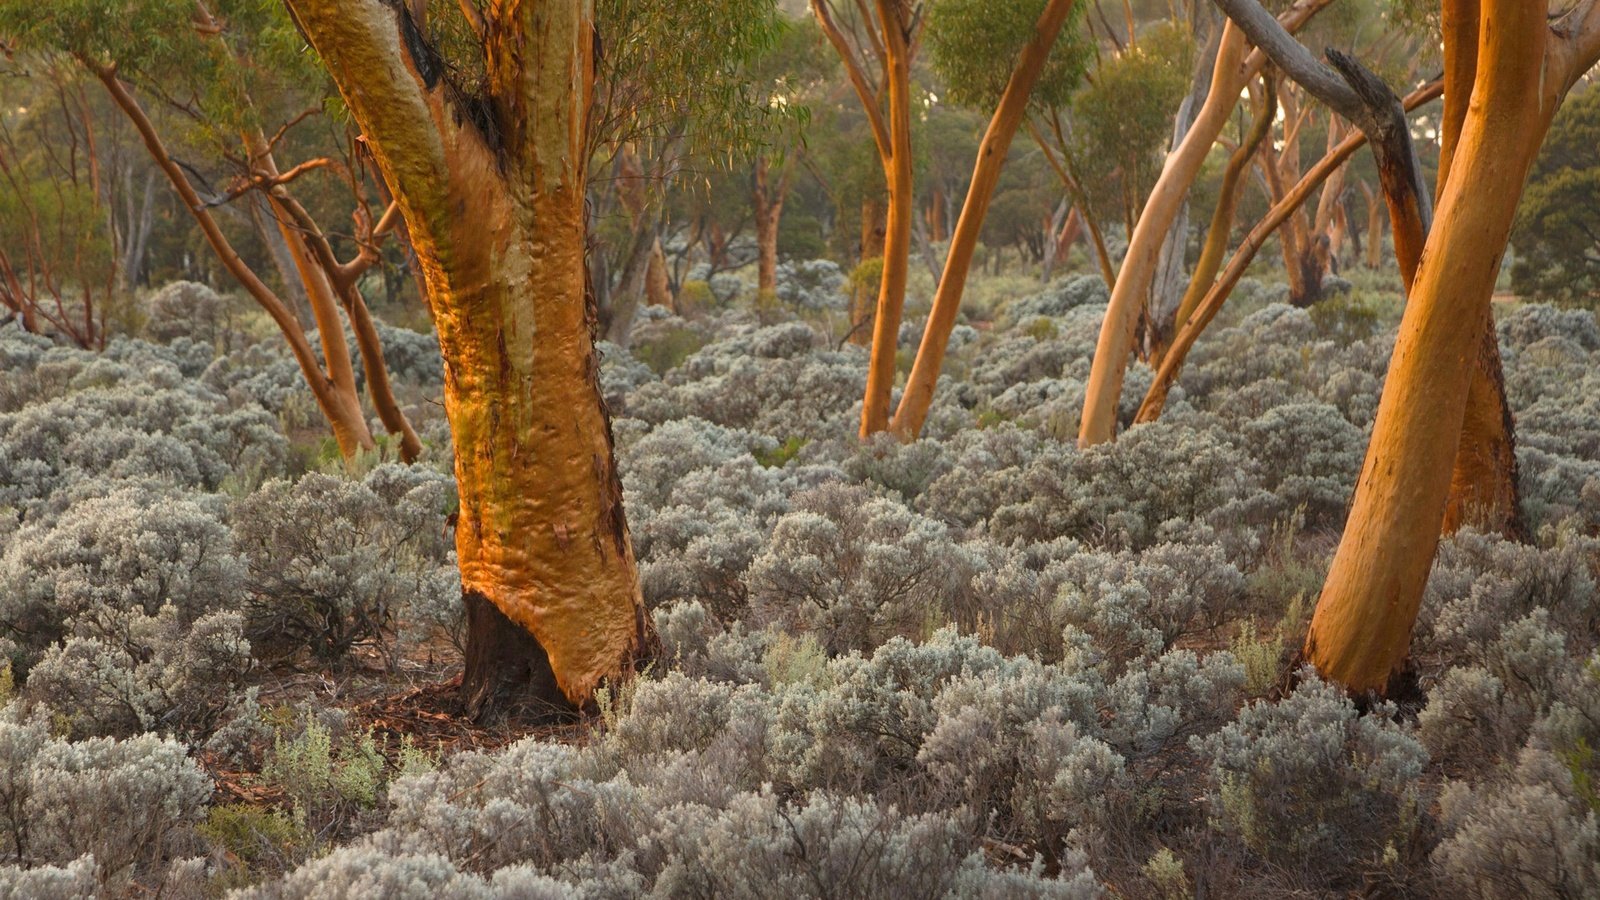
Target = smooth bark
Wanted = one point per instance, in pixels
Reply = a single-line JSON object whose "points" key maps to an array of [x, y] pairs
{"points": [[917, 398], [1361, 631]]}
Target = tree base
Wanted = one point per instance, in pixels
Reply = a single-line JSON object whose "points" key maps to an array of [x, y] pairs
{"points": [[507, 674], [1403, 689]]}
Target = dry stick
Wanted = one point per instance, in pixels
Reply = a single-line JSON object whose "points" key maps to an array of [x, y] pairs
{"points": [[1156, 398]]}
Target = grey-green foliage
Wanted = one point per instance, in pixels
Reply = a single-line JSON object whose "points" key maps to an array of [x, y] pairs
{"points": [[1310, 782], [120, 614], [854, 569], [1524, 834], [333, 562], [131, 415], [130, 804]]}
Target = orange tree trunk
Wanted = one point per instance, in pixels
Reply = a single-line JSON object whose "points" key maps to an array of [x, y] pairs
{"points": [[496, 218], [1483, 481], [864, 295], [918, 395], [768, 198], [1361, 631], [897, 171]]}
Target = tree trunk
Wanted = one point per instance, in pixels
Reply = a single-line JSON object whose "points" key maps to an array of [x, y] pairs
{"points": [[1483, 482], [864, 296], [1221, 228], [897, 171], [657, 286], [343, 416], [1374, 228], [1110, 362], [918, 396], [541, 533], [1361, 631], [768, 199]]}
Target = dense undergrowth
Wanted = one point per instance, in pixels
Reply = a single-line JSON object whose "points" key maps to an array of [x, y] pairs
{"points": [[981, 664]]}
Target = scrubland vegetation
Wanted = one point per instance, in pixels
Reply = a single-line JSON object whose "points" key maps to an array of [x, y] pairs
{"points": [[737, 448]]}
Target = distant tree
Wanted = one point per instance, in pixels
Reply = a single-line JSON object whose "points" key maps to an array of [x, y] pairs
{"points": [[202, 60], [58, 265], [969, 39], [886, 38], [1557, 236]]}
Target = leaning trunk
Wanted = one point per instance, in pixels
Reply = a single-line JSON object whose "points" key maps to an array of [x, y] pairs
{"points": [[918, 396], [1361, 631], [540, 532], [1110, 362]]}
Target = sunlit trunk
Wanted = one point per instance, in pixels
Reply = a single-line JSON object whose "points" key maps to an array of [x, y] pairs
{"points": [[897, 170], [918, 395], [1361, 631], [499, 234], [1099, 419]]}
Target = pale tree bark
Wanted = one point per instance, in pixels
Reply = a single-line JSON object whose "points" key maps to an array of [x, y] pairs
{"points": [[1193, 326], [1008, 115], [1221, 228], [1361, 631], [1167, 287], [1234, 69], [497, 221]]}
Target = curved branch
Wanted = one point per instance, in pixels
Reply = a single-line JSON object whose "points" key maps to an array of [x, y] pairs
{"points": [[858, 78], [1156, 398]]}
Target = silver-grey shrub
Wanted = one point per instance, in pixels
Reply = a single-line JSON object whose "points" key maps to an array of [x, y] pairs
{"points": [[132, 804], [332, 562], [1311, 784]]}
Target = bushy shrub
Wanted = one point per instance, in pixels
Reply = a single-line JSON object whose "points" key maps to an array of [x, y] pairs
{"points": [[186, 309], [1312, 784], [854, 569], [1309, 456], [1525, 835], [332, 562], [130, 804]]}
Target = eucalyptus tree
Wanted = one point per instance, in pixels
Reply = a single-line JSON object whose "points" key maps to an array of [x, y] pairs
{"points": [[995, 55], [486, 142], [1509, 65], [883, 39], [683, 91], [1237, 63], [226, 69]]}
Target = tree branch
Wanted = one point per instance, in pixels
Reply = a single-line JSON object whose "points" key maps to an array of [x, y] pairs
{"points": [[858, 78]]}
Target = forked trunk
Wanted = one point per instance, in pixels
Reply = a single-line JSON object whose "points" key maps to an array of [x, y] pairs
{"points": [[897, 171], [1361, 632], [499, 231]]}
